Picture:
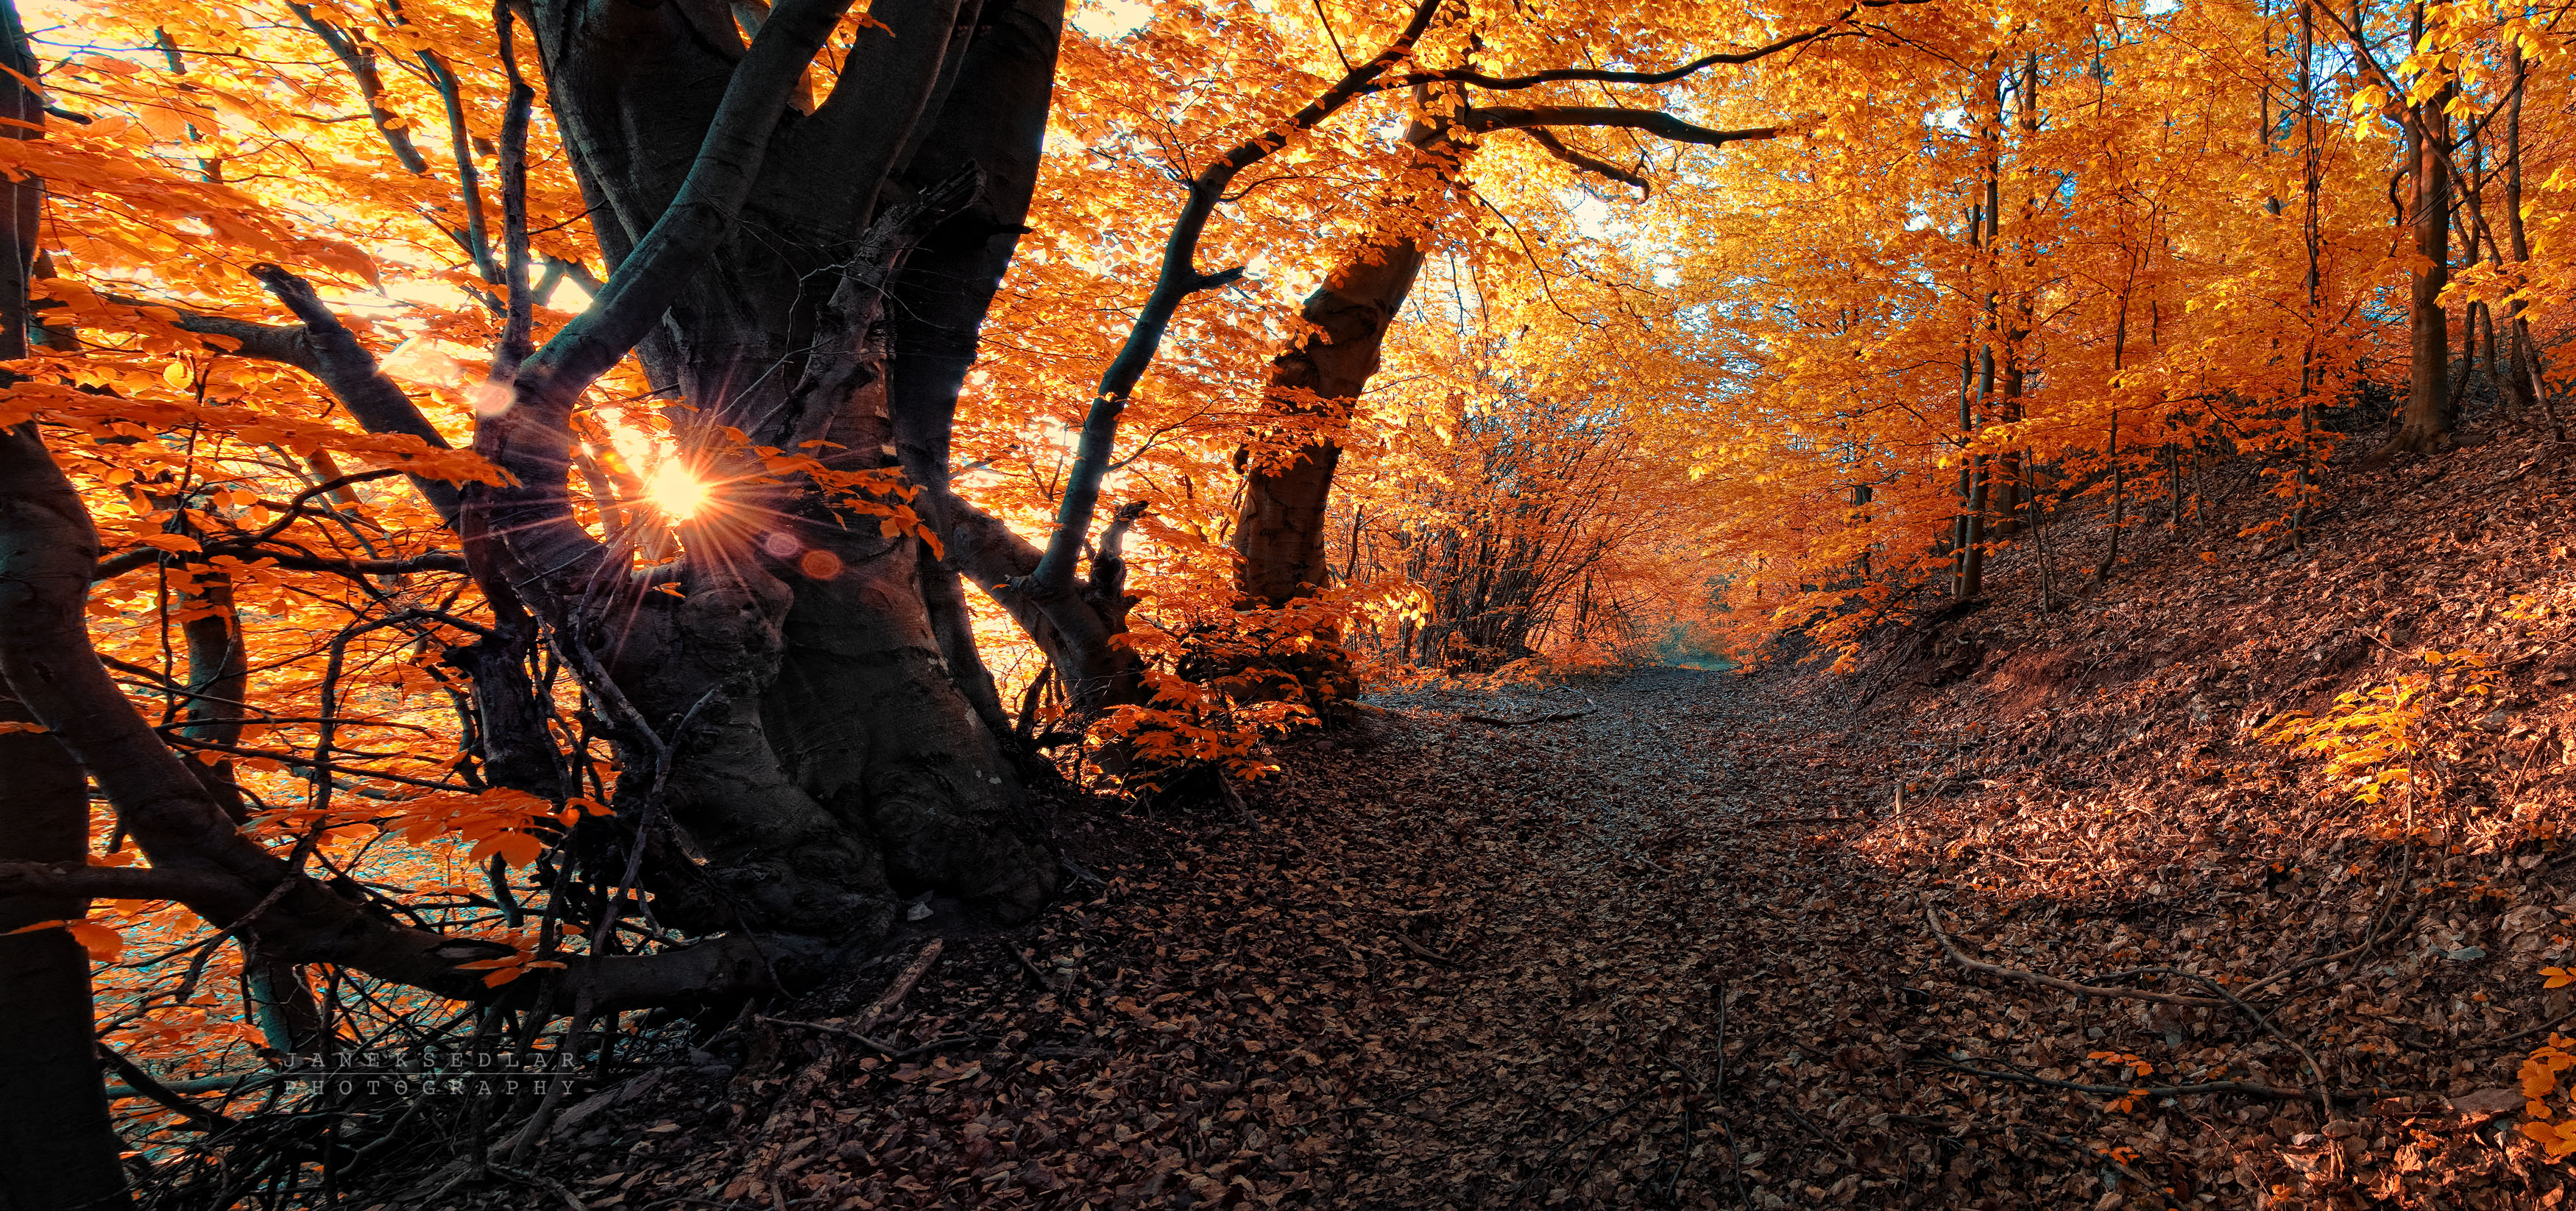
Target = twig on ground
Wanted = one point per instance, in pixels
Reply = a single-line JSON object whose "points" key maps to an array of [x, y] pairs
{"points": [[1029, 967], [1495, 721], [2323, 1108], [542, 1182], [2374, 937], [1425, 953], [2104, 1157], [1829, 1141], [2519, 1035], [884, 1006], [1931, 917], [889, 1050], [1540, 1170], [2547, 453], [2247, 1088], [882, 1010]]}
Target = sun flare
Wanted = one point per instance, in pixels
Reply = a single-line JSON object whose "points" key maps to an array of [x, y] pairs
{"points": [[678, 494]]}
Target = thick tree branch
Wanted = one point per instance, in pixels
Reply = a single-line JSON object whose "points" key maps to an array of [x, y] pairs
{"points": [[361, 63], [144, 557], [351, 372], [698, 219], [323, 347], [856, 137], [105, 882], [518, 324], [1654, 122], [1840, 24]]}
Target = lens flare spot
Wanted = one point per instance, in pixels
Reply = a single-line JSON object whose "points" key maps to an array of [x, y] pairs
{"points": [[779, 544], [678, 494], [819, 565], [489, 398]]}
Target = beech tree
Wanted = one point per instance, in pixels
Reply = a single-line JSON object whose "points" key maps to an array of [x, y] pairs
{"points": [[687, 557]]}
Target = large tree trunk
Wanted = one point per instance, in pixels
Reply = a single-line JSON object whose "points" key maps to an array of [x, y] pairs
{"points": [[1315, 383], [57, 1147], [830, 740], [1279, 525], [797, 749]]}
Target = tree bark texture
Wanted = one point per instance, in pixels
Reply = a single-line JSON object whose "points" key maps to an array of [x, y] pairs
{"points": [[841, 746], [805, 736], [2425, 425], [58, 1149], [1279, 526]]}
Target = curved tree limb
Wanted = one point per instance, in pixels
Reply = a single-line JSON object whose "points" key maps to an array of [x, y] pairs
{"points": [[1547, 140], [105, 882], [1841, 23], [1932, 918], [1654, 122], [322, 346]]}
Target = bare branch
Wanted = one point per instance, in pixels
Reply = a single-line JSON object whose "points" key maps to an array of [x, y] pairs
{"points": [[1547, 140], [103, 882], [1840, 24], [1653, 122], [1931, 917]]}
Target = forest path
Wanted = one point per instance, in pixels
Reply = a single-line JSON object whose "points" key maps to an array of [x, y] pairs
{"points": [[1634, 958], [1617, 874]]}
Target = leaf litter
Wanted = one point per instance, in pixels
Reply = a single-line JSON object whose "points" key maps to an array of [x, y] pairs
{"points": [[1675, 946]]}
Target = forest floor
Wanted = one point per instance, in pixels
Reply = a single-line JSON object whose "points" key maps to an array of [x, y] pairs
{"points": [[1674, 950]]}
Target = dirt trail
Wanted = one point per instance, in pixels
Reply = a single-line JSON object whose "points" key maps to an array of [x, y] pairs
{"points": [[1622, 959], [1668, 953], [1623, 873]]}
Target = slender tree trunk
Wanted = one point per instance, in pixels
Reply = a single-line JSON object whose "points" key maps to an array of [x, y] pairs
{"points": [[1972, 549], [2526, 382], [2425, 425], [2009, 489], [2119, 466], [2312, 243]]}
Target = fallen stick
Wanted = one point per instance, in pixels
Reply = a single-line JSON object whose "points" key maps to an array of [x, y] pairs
{"points": [[1424, 953], [889, 1050], [2247, 1088], [1931, 917], [1493, 721], [541, 1182], [1782, 1101], [885, 1004], [881, 1009]]}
